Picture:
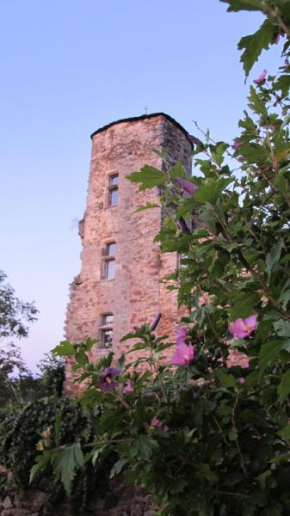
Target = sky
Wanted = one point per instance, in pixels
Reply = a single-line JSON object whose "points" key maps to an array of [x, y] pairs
{"points": [[70, 67]]}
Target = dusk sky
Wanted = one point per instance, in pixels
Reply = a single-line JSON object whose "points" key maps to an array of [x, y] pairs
{"points": [[69, 67]]}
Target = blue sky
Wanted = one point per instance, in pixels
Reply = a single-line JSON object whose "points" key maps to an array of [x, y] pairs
{"points": [[69, 67]]}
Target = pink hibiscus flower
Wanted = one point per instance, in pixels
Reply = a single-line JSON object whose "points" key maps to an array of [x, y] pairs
{"points": [[242, 328], [261, 78], [187, 186], [128, 386], [183, 355]]}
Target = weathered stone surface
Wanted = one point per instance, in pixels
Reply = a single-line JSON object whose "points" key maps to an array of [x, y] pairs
{"points": [[136, 294], [7, 503], [130, 501]]}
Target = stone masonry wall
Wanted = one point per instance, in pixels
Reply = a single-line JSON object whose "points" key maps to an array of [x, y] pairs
{"points": [[123, 500], [135, 295]]}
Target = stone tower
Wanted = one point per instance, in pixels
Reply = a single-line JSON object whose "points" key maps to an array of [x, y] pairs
{"points": [[119, 285]]}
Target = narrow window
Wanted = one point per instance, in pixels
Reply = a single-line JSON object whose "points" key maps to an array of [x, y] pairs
{"points": [[113, 190], [181, 261], [106, 331], [109, 261]]}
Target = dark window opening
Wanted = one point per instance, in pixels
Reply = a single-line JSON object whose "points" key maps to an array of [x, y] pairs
{"points": [[106, 331], [113, 190], [109, 261]]}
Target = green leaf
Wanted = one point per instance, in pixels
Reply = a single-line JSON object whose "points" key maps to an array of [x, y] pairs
{"points": [[285, 433], [243, 5], [226, 379], [254, 44], [256, 104], [148, 177], [206, 472], [143, 447], [81, 358], [233, 434], [67, 462], [273, 257], [89, 344], [117, 468], [178, 171], [211, 190], [269, 353], [147, 206], [243, 304], [282, 328], [284, 386], [42, 462], [65, 348]]}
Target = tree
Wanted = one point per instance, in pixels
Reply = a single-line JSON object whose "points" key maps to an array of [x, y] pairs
{"points": [[17, 383], [14, 313]]}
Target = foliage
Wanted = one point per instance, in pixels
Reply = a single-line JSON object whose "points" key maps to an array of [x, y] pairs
{"points": [[14, 314], [49, 422], [205, 427]]}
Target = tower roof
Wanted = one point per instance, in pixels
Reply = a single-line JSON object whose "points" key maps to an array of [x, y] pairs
{"points": [[143, 117]]}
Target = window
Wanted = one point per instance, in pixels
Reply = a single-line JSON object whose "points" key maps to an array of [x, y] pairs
{"points": [[181, 260], [106, 331], [109, 261], [113, 190]]}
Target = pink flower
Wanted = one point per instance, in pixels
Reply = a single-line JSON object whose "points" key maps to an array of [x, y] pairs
{"points": [[183, 355], [236, 144], [242, 328], [181, 335], [107, 380], [261, 77], [241, 380], [128, 386], [236, 358], [187, 186], [156, 423]]}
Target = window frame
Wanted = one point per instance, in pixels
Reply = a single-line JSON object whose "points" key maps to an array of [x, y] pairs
{"points": [[112, 188], [107, 258], [103, 330]]}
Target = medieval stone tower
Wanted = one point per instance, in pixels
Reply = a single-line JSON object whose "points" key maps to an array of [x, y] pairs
{"points": [[120, 281]]}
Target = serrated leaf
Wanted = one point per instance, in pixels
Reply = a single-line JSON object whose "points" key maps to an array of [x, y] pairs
{"points": [[67, 462], [81, 358], [206, 472], [284, 386], [254, 44], [285, 433], [89, 344], [243, 305], [143, 447], [282, 328], [226, 379], [243, 5], [273, 257], [269, 353], [42, 462], [148, 177], [147, 206], [65, 348], [117, 468], [256, 104], [211, 190]]}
